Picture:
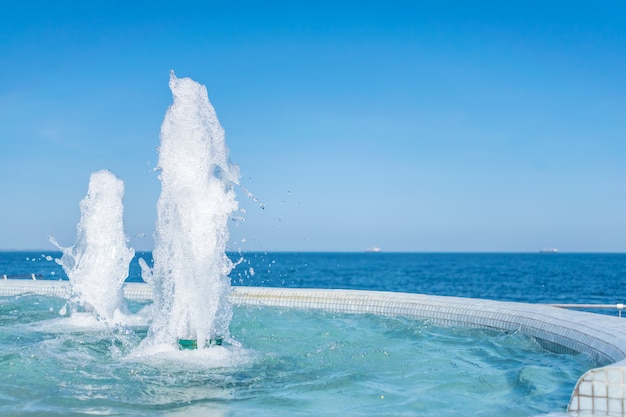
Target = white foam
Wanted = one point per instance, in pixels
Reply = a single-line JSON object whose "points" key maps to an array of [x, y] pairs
{"points": [[163, 355], [97, 264]]}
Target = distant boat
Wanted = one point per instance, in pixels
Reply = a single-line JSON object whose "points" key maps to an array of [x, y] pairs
{"points": [[549, 250], [374, 249]]}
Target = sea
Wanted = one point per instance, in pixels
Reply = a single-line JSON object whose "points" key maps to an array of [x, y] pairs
{"points": [[555, 278], [286, 362]]}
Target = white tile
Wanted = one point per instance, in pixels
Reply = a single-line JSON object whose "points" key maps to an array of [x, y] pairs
{"points": [[615, 406], [600, 405], [614, 375], [573, 405], [600, 375], [584, 389], [615, 390], [585, 404], [600, 390]]}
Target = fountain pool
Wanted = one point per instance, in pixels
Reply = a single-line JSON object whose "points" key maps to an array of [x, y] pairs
{"points": [[284, 362], [286, 351]]}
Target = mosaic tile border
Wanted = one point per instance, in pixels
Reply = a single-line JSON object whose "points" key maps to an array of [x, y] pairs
{"points": [[600, 391]]}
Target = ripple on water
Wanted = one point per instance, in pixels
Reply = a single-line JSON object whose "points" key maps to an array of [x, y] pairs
{"points": [[281, 362]]}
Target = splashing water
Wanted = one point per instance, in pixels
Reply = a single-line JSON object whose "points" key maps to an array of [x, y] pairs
{"points": [[190, 274], [97, 264]]}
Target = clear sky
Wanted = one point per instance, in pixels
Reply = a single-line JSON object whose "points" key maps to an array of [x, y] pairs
{"points": [[412, 126]]}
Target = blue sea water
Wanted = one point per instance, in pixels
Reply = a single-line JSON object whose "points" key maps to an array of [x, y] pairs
{"points": [[525, 277], [587, 278], [311, 363]]}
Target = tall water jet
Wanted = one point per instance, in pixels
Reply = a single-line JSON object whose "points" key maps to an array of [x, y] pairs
{"points": [[190, 273], [97, 264]]}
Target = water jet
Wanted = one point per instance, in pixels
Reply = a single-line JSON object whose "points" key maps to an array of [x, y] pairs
{"points": [[190, 273], [97, 264]]}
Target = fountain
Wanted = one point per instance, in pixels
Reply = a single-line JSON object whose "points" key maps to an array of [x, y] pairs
{"points": [[337, 349], [97, 263], [189, 278]]}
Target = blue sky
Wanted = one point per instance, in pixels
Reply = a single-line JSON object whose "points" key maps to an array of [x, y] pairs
{"points": [[412, 126]]}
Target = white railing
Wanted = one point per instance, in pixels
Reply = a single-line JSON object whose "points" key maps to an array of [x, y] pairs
{"points": [[619, 306], [34, 277]]}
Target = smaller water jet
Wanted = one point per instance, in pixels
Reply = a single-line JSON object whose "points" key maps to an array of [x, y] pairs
{"points": [[97, 264]]}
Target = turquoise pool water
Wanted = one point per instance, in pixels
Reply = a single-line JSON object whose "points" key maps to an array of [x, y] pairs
{"points": [[281, 362]]}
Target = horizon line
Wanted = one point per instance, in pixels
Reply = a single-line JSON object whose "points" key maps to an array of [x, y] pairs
{"points": [[374, 253]]}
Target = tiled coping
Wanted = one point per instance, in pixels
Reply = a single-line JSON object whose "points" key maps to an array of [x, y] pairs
{"points": [[601, 391]]}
